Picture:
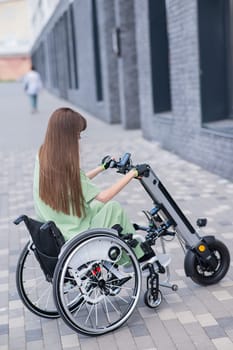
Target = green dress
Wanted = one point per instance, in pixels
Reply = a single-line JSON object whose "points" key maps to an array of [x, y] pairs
{"points": [[97, 214]]}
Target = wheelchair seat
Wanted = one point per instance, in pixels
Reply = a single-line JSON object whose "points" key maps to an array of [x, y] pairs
{"points": [[47, 242]]}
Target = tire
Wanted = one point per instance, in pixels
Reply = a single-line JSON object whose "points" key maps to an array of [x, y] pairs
{"points": [[107, 292], [203, 275], [33, 288], [149, 300]]}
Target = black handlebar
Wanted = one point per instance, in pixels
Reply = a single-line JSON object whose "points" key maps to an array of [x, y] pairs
{"points": [[125, 164], [124, 160]]}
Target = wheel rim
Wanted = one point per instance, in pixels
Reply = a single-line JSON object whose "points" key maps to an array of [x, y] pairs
{"points": [[207, 272], [33, 288], [109, 293], [150, 299]]}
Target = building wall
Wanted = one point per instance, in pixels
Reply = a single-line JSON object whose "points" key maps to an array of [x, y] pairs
{"points": [[85, 94], [127, 73], [180, 130], [13, 68]]}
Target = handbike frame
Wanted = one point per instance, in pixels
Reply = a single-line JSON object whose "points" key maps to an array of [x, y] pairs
{"points": [[171, 218], [167, 207]]}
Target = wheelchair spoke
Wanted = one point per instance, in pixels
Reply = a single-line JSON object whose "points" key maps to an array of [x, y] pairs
{"points": [[32, 268], [117, 311], [93, 306], [121, 298], [48, 297], [33, 281], [119, 287], [96, 315], [43, 294], [107, 313], [79, 308]]}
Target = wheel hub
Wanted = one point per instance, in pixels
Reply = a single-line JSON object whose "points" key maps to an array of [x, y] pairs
{"points": [[101, 284]]}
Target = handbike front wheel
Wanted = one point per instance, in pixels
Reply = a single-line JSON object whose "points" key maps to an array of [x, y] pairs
{"points": [[203, 274], [106, 292]]}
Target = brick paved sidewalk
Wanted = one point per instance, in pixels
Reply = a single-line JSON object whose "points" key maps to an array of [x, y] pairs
{"points": [[195, 317]]}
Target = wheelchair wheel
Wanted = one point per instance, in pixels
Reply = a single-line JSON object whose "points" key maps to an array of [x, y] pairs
{"points": [[108, 279], [33, 288], [150, 301]]}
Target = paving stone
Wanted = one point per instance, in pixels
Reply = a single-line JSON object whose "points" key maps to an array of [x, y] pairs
{"points": [[186, 317], [4, 329], [124, 339], [89, 344], [35, 345], [159, 334], [206, 320], [69, 341], [223, 343], [17, 343], [4, 339], [166, 314], [177, 333], [4, 318], [173, 298], [138, 330], [33, 334], [107, 341], [145, 343], [222, 295], [225, 322], [214, 332], [4, 347]]}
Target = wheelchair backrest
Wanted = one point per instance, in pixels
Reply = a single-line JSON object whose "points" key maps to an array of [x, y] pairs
{"points": [[47, 243]]}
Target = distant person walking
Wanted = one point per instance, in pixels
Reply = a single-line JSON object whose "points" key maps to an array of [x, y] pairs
{"points": [[32, 86]]}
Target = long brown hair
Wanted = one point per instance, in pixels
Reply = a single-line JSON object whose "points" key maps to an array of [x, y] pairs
{"points": [[60, 184]]}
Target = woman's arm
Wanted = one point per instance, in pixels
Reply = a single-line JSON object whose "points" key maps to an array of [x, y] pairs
{"points": [[106, 195], [92, 173], [105, 163]]}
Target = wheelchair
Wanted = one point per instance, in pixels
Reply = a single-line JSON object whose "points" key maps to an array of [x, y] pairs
{"points": [[94, 280]]}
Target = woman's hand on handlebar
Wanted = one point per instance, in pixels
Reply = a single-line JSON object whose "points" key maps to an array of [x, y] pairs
{"points": [[106, 161], [142, 170]]}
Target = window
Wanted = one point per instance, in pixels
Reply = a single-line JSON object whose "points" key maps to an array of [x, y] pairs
{"points": [[214, 51], [67, 51], [159, 56], [96, 48], [73, 49], [55, 56]]}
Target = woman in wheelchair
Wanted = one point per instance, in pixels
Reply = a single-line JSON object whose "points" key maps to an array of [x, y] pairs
{"points": [[93, 281], [64, 194]]}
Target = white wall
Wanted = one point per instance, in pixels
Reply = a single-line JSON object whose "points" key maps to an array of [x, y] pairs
{"points": [[15, 34], [40, 13]]}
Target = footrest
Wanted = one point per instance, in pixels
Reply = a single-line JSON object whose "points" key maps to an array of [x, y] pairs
{"points": [[164, 259]]}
